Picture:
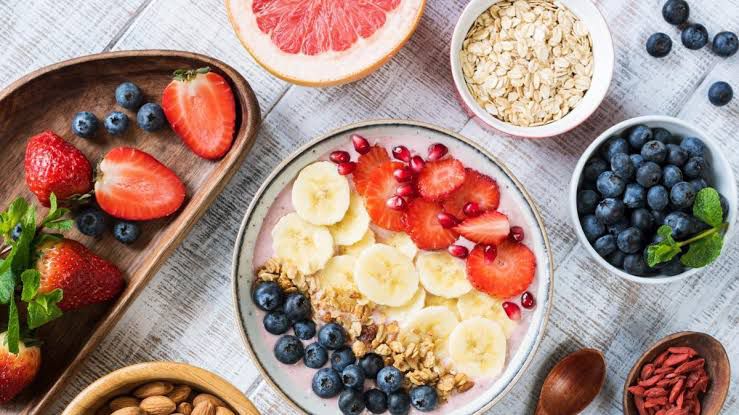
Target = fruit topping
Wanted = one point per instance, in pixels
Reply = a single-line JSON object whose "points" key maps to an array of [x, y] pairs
{"points": [[339, 156], [406, 190], [276, 322], [489, 228], [374, 159], [458, 251], [379, 189], [401, 153], [490, 252], [327, 383], [509, 274], [477, 347], [320, 194], [361, 145], [150, 117], [417, 164], [397, 203], [389, 379], [512, 310], [437, 151], [424, 227], [527, 300], [315, 356], [403, 174], [424, 398], [478, 191], [440, 178], [304, 329], [385, 275], [346, 168], [351, 401], [332, 336], [289, 350], [517, 234], [471, 209], [446, 220], [341, 358]]}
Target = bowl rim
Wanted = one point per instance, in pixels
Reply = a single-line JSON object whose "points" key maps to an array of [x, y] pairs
{"points": [[621, 126], [551, 129], [236, 263]]}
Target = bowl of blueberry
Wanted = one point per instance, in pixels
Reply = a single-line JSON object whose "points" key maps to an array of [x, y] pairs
{"points": [[653, 200]]}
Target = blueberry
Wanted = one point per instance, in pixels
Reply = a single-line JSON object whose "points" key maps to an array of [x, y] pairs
{"points": [[389, 379], [616, 259], [332, 336], [371, 363], [725, 44], [289, 349], [609, 211], [658, 197], [655, 151], [643, 220], [630, 240], [315, 356], [695, 168], [587, 200], [695, 36], [593, 169], [128, 95], [268, 296], [662, 135], [17, 231], [694, 146], [659, 217], [672, 268], [659, 45], [424, 398], [634, 264], [682, 195], [635, 196], [92, 221], [676, 12], [616, 145], [618, 227], [649, 174], [84, 124], [681, 224], [353, 377], [126, 232], [623, 167], [304, 329], [720, 93], [399, 403], [637, 160], [638, 135], [724, 205], [698, 184], [116, 123], [592, 228], [297, 307], [671, 175], [376, 401], [676, 155], [605, 245], [351, 402], [326, 383], [342, 358], [150, 117], [276, 322], [610, 185]]}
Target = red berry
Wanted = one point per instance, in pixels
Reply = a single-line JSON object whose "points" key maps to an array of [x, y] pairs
{"points": [[527, 300], [402, 153], [512, 310], [490, 253], [417, 163], [440, 178], [458, 251], [339, 156], [396, 203], [403, 174], [472, 209], [347, 167], [446, 220], [490, 228], [437, 151], [406, 190], [517, 233], [360, 144]]}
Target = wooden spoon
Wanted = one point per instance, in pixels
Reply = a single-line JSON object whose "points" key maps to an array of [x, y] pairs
{"points": [[573, 383]]}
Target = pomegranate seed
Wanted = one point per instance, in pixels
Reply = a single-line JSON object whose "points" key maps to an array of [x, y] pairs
{"points": [[437, 151], [472, 209], [339, 157], [406, 190], [360, 144], [516, 233], [417, 163], [446, 220], [396, 203], [458, 251], [402, 153], [347, 167], [403, 174], [512, 310], [527, 300], [490, 253]]}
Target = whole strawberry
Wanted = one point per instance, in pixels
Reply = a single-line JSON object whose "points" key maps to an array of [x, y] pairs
{"points": [[84, 277], [17, 370], [53, 165]]}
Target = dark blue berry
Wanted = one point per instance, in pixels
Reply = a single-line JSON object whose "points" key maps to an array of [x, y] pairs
{"points": [[643, 220], [694, 146], [630, 240], [605, 245], [592, 228], [332, 336], [389, 379], [695, 36], [128, 95], [610, 185], [398, 403], [371, 363], [681, 224], [682, 195], [725, 44], [720, 93], [297, 307], [268, 296], [126, 232], [661, 134], [353, 377], [424, 398], [376, 401], [616, 145], [276, 322], [659, 45], [649, 174], [116, 123], [616, 259], [342, 358], [671, 175], [351, 402], [634, 264], [326, 383], [635, 196], [84, 124], [16, 232], [724, 205], [698, 184], [150, 117], [676, 12], [672, 268], [623, 167], [587, 200], [659, 217], [655, 151], [658, 197], [638, 135], [677, 155], [593, 169], [637, 160], [304, 329], [618, 227], [92, 221], [315, 356], [609, 211], [289, 349], [695, 168]]}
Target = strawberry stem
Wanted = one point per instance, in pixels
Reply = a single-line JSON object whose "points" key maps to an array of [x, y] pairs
{"points": [[186, 75]]}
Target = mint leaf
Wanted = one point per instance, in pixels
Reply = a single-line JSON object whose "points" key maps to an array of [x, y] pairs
{"points": [[707, 207], [7, 281], [703, 251], [22, 247], [60, 224], [44, 309], [31, 282], [14, 328], [664, 250], [12, 216], [55, 214]]}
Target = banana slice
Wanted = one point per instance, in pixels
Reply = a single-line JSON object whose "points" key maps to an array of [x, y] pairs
{"points": [[477, 347], [450, 303], [385, 276], [403, 242], [400, 313], [436, 321], [442, 274], [338, 273], [478, 304], [353, 225], [320, 195], [307, 246], [358, 247]]}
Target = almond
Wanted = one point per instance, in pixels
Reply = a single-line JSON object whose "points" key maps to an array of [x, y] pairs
{"points": [[131, 410], [204, 408], [123, 402], [180, 393], [153, 389], [158, 405], [206, 397], [221, 410], [185, 408]]}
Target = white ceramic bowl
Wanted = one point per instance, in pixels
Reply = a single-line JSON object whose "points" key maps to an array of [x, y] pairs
{"points": [[603, 57], [721, 174]]}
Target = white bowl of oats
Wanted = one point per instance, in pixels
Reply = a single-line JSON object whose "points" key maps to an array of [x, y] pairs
{"points": [[531, 68]]}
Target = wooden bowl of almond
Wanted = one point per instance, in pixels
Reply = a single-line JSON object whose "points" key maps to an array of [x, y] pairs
{"points": [[161, 388]]}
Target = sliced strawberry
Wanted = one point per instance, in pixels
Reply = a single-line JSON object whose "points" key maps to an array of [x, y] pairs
{"points": [[510, 274], [133, 185], [476, 188], [379, 187], [440, 178], [424, 228], [200, 107], [376, 158], [489, 228]]}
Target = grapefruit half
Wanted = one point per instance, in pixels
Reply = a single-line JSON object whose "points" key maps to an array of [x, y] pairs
{"points": [[323, 42]]}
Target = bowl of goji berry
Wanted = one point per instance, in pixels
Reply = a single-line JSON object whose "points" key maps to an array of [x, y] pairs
{"points": [[686, 373]]}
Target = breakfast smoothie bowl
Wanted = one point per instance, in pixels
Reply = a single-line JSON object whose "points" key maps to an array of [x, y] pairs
{"points": [[392, 266]]}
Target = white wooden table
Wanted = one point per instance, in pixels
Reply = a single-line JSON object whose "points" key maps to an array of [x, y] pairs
{"points": [[186, 314]]}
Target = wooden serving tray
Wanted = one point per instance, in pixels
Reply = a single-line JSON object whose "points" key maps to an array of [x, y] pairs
{"points": [[47, 99]]}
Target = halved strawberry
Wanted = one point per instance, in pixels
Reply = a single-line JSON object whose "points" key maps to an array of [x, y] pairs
{"points": [[376, 158], [508, 275], [200, 107], [133, 185], [477, 188], [378, 188], [424, 228], [440, 178], [489, 228]]}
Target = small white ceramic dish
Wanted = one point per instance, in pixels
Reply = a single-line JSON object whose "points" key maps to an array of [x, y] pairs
{"points": [[722, 180], [603, 57]]}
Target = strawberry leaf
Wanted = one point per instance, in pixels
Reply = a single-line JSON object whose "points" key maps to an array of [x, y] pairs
{"points": [[14, 328], [31, 282], [44, 309]]}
